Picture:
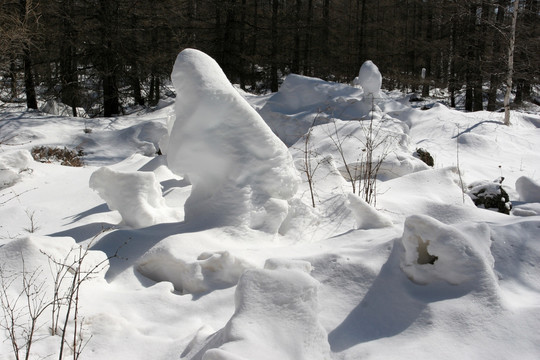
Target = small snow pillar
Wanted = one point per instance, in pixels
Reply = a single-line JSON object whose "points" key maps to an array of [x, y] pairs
{"points": [[136, 195], [242, 174], [370, 79]]}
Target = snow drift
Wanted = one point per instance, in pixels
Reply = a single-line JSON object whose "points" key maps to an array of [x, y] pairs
{"points": [[242, 174], [261, 294]]}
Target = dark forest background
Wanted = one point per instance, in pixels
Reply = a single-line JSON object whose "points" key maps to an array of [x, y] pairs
{"points": [[105, 55]]}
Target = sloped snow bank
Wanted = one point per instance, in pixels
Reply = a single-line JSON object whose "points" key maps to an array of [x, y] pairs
{"points": [[242, 174], [276, 317], [528, 189], [367, 217], [12, 166], [436, 252], [36, 276], [35, 252], [136, 195]]}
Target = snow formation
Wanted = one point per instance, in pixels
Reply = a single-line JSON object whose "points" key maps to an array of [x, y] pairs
{"points": [[422, 274], [438, 252], [242, 174], [210, 270], [13, 165], [136, 195], [261, 294], [528, 189], [370, 79]]}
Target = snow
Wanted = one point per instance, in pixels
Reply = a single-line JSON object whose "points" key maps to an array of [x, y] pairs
{"points": [[370, 79], [239, 177], [215, 251], [13, 165], [528, 189], [255, 329], [136, 195], [435, 251]]}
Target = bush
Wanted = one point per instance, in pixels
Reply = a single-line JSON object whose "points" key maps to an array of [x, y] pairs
{"points": [[490, 195], [65, 156], [425, 156]]}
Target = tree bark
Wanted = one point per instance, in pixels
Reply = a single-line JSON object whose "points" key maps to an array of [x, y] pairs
{"points": [[511, 47], [29, 86], [274, 84]]}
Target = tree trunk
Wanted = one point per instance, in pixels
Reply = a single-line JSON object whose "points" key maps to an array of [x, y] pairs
{"points": [[31, 101], [492, 94], [511, 46], [29, 87], [274, 84], [307, 45], [295, 67]]}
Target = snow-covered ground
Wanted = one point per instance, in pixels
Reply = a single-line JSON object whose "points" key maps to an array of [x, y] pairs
{"points": [[248, 268]]}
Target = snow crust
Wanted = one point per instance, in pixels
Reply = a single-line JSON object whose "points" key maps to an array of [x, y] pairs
{"points": [[241, 173], [136, 195]]}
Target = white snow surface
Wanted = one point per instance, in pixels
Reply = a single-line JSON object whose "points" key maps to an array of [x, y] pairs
{"points": [[136, 195], [370, 79], [242, 174], [528, 189], [420, 274]]}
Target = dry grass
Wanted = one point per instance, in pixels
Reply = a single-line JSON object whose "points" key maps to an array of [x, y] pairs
{"points": [[65, 156]]}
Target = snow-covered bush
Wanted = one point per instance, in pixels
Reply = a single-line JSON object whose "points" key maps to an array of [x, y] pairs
{"points": [[490, 195], [242, 174]]}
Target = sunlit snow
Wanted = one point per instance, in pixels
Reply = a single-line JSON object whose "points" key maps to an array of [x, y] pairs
{"points": [[214, 250]]}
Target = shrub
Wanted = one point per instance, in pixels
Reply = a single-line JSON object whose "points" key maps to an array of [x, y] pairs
{"points": [[425, 156], [65, 156]]}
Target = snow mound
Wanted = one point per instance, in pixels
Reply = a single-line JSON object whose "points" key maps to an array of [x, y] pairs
{"points": [[275, 318], [211, 270], [528, 189], [436, 252], [12, 166], [136, 195], [370, 79], [35, 257], [367, 217], [141, 138], [242, 174], [300, 93]]}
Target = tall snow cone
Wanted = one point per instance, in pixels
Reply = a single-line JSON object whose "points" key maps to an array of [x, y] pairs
{"points": [[242, 174]]}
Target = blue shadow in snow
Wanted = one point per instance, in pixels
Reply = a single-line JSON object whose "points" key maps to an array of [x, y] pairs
{"points": [[476, 125], [392, 304]]}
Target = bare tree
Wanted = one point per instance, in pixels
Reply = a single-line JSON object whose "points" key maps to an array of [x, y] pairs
{"points": [[510, 73]]}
